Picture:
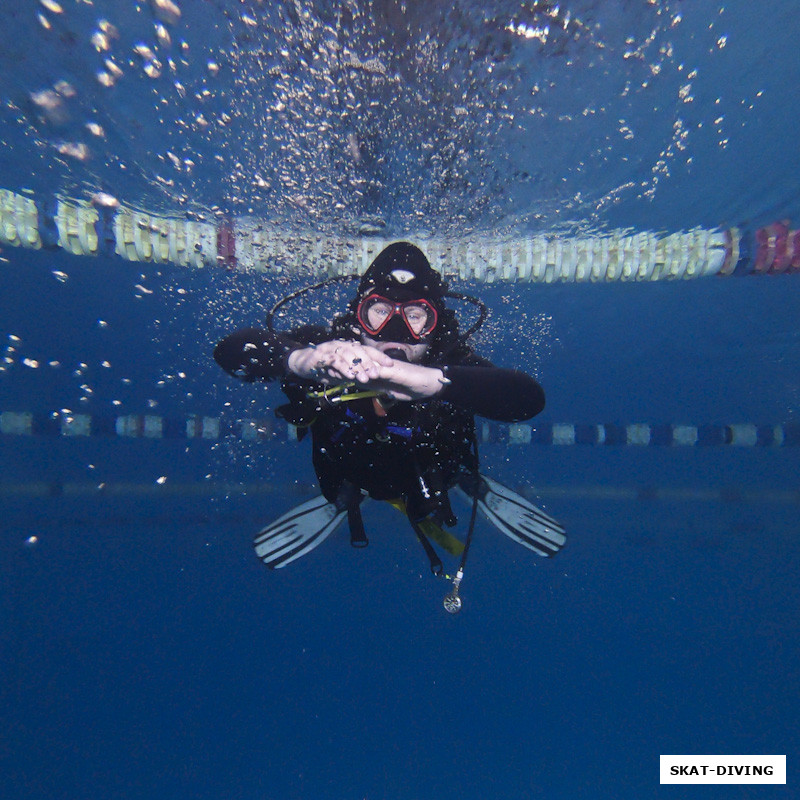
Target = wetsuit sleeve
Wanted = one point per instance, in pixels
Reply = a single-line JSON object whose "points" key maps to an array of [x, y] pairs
{"points": [[253, 354], [505, 395]]}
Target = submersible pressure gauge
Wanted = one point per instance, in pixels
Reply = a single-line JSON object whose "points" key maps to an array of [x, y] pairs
{"points": [[452, 602]]}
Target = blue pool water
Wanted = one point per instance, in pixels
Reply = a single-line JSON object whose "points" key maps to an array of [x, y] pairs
{"points": [[146, 652]]}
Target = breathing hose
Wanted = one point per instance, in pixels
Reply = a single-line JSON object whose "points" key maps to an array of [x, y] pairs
{"points": [[452, 601]]}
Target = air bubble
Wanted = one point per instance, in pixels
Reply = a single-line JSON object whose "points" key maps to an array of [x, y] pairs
{"points": [[52, 6], [167, 11]]}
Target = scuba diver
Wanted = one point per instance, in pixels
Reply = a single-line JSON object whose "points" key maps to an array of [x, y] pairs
{"points": [[389, 394]]}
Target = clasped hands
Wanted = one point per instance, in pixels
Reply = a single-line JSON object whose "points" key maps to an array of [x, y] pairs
{"points": [[341, 361]]}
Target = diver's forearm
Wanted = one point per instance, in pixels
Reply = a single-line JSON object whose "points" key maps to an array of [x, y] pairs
{"points": [[505, 395], [253, 354], [404, 381]]}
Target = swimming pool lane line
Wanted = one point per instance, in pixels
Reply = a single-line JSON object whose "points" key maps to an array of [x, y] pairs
{"points": [[195, 427], [246, 244], [208, 490]]}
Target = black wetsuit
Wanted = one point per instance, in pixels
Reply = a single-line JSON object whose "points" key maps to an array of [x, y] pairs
{"points": [[414, 450]]}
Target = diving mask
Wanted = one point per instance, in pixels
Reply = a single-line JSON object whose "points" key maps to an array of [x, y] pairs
{"points": [[388, 320]]}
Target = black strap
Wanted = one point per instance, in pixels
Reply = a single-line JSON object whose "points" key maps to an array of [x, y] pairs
{"points": [[349, 497], [358, 536], [436, 563]]}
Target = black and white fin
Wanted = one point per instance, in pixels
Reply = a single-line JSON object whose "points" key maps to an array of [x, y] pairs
{"points": [[518, 518], [297, 532]]}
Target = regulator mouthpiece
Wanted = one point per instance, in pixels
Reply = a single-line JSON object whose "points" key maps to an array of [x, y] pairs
{"points": [[396, 353]]}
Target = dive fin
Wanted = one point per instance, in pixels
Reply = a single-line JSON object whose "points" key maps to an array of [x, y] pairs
{"points": [[298, 532], [518, 518]]}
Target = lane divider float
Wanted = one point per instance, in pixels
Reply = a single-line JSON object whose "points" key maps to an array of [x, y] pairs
{"points": [[106, 227], [24, 491], [196, 427]]}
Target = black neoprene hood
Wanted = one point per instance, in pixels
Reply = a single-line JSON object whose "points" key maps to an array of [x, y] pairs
{"points": [[401, 272]]}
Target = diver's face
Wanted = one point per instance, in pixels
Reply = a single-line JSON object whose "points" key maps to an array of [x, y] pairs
{"points": [[413, 352]]}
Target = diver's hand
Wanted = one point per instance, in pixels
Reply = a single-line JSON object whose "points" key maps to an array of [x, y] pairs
{"points": [[339, 361], [404, 381]]}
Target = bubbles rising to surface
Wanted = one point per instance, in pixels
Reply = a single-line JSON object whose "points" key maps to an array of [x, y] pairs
{"points": [[379, 117], [444, 121]]}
